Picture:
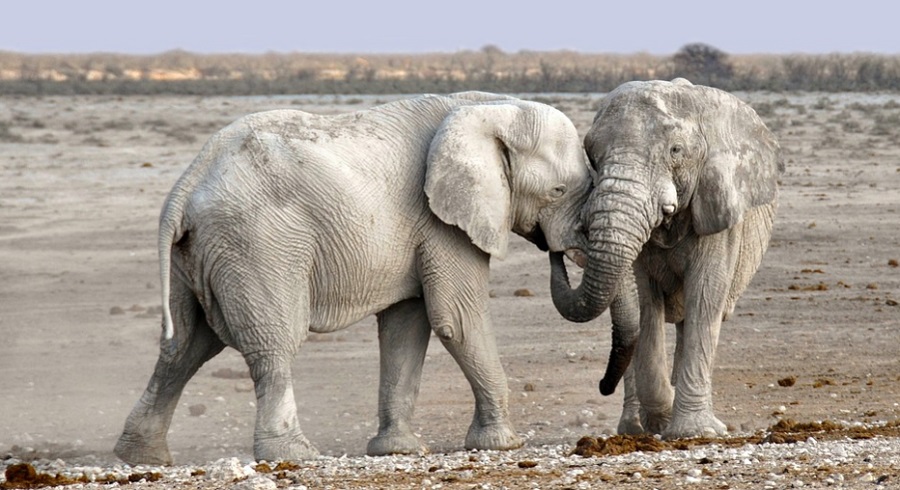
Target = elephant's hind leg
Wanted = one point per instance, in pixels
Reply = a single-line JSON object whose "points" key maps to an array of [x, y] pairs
{"points": [[268, 325], [143, 441], [403, 334], [277, 436]]}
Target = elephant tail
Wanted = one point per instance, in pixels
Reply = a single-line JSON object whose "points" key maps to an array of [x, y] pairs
{"points": [[174, 219], [170, 232]]}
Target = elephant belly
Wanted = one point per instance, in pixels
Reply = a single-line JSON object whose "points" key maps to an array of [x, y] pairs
{"points": [[342, 295]]}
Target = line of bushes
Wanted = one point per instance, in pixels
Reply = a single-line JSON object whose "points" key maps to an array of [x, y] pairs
{"points": [[488, 69]]}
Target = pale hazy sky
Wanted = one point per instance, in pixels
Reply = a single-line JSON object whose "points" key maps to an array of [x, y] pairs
{"points": [[400, 26]]}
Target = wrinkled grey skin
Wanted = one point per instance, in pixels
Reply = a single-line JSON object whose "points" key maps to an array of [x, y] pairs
{"points": [[288, 222], [685, 194]]}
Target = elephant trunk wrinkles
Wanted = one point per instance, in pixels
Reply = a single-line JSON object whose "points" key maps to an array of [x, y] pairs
{"points": [[618, 230], [618, 224]]}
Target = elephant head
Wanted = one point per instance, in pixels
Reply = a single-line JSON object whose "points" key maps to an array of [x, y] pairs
{"points": [[509, 165], [671, 158]]}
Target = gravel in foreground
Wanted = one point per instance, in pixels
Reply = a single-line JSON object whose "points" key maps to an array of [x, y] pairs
{"points": [[870, 464]]}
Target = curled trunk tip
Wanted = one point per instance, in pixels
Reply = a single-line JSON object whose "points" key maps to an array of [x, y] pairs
{"points": [[574, 305], [619, 359]]}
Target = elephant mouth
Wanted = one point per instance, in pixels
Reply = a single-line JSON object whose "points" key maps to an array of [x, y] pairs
{"points": [[577, 256], [536, 236]]}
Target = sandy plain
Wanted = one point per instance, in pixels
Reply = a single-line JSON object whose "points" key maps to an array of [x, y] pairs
{"points": [[82, 180]]}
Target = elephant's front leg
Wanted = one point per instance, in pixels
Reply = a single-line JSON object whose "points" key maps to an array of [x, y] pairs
{"points": [[630, 421], [456, 295], [474, 349], [403, 334], [652, 382], [706, 290], [692, 412]]}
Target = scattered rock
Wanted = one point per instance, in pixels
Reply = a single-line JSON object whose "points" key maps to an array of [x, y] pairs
{"points": [[229, 469], [523, 293], [821, 286], [256, 483], [893, 263], [529, 387], [789, 381], [197, 409], [116, 310]]}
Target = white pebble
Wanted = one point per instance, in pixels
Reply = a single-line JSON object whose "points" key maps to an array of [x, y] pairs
{"points": [[256, 483]]}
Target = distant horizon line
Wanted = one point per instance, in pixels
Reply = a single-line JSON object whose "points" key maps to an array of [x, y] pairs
{"points": [[487, 48]]}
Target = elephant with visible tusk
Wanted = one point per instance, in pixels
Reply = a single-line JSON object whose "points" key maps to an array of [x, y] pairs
{"points": [[288, 222], [682, 211]]}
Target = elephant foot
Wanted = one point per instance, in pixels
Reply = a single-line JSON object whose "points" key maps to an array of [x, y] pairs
{"points": [[655, 421], [136, 450], [630, 423], [497, 437], [701, 423], [287, 448], [395, 443]]}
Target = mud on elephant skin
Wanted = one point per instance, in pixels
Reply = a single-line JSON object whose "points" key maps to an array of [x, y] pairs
{"points": [[684, 203], [289, 222]]}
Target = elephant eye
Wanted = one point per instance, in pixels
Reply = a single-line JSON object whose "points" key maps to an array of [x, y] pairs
{"points": [[676, 154], [558, 191]]}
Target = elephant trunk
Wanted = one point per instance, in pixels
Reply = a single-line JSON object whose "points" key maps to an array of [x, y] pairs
{"points": [[619, 224], [616, 235], [626, 322]]}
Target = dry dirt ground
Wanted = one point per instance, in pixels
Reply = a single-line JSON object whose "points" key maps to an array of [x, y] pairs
{"points": [[82, 180]]}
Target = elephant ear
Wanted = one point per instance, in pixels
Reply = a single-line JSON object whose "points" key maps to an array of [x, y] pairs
{"points": [[742, 166], [467, 173]]}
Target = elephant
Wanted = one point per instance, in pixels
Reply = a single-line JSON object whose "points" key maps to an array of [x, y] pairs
{"points": [[288, 222], [681, 214]]}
